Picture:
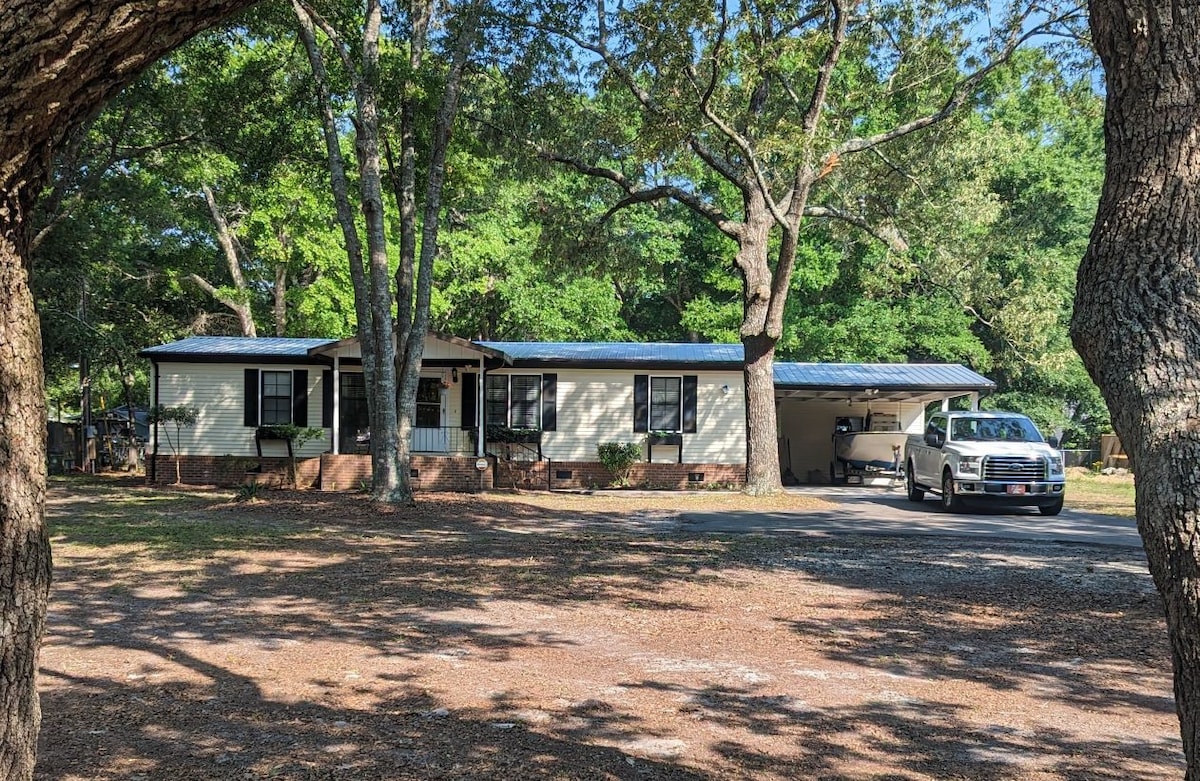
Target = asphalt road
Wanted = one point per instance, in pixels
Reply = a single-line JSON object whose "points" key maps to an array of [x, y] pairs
{"points": [[878, 510]]}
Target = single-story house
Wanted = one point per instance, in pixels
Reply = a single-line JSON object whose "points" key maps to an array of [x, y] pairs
{"points": [[493, 412]]}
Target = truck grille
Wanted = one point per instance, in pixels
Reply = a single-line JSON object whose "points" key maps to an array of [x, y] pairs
{"points": [[1014, 468]]}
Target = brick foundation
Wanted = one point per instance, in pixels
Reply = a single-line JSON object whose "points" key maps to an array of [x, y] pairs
{"points": [[590, 474], [433, 473], [332, 472], [232, 470]]}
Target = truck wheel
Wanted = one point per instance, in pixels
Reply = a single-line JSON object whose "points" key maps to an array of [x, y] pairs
{"points": [[950, 501], [914, 494], [1051, 509]]}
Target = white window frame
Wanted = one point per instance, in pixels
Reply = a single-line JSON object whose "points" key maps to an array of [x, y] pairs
{"points": [[262, 397]]}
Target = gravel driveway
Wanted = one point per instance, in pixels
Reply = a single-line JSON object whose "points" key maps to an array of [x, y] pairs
{"points": [[879, 510]]}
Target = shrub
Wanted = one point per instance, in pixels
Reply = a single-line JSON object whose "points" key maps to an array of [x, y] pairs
{"points": [[618, 458], [248, 492]]}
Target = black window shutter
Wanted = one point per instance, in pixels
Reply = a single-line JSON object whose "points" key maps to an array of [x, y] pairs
{"points": [[689, 403], [641, 402], [470, 390], [327, 398], [250, 398], [300, 397], [549, 402]]}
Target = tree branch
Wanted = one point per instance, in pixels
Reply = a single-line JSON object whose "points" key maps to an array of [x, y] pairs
{"points": [[313, 17], [958, 94], [889, 237], [636, 195], [813, 115]]}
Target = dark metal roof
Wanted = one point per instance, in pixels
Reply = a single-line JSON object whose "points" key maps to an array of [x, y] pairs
{"points": [[619, 354], [235, 348], [862, 376], [788, 376]]}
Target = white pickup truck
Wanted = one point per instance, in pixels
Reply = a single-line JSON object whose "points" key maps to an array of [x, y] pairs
{"points": [[998, 458]]}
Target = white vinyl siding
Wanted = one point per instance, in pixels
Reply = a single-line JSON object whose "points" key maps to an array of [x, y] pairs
{"points": [[596, 405], [216, 390], [435, 350]]}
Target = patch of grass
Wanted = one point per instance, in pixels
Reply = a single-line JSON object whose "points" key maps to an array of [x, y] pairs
{"points": [[167, 522], [1107, 494]]}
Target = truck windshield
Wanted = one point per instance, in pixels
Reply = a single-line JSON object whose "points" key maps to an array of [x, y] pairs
{"points": [[994, 430]]}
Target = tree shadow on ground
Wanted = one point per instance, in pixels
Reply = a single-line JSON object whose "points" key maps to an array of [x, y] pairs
{"points": [[1008, 616]]}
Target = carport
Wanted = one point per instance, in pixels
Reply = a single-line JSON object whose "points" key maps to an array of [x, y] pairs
{"points": [[813, 400]]}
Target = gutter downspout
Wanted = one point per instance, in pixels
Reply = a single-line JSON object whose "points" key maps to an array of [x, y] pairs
{"points": [[479, 410], [154, 429], [337, 404]]}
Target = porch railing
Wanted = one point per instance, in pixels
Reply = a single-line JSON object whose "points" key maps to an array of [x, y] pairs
{"points": [[445, 440]]}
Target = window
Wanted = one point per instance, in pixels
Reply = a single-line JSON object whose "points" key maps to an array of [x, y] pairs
{"points": [[495, 400], [665, 403], [525, 404], [514, 400], [276, 398], [935, 429]]}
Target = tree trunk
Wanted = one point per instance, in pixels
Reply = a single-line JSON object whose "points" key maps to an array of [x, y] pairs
{"points": [[227, 241], [762, 447], [387, 483], [24, 549], [280, 297], [411, 335], [372, 297], [61, 61], [759, 338], [1137, 310]]}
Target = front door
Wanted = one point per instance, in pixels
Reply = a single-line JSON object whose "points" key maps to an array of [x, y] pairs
{"points": [[354, 426], [429, 435]]}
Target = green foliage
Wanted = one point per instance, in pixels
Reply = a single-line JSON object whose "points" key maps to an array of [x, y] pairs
{"points": [[178, 418], [248, 492], [618, 458], [506, 434], [995, 207], [182, 416], [297, 435]]}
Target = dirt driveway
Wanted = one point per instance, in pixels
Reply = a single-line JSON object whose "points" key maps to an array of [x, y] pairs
{"points": [[502, 637]]}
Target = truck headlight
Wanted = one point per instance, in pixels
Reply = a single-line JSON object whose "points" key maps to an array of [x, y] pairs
{"points": [[969, 464], [1056, 465]]}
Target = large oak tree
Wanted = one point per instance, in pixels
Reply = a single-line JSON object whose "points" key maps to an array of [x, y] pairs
{"points": [[766, 101], [61, 62], [1137, 306]]}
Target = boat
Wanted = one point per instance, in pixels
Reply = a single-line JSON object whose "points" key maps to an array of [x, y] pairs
{"points": [[869, 451]]}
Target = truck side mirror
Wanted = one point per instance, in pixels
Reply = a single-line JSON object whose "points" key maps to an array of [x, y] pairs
{"points": [[1053, 442], [933, 440]]}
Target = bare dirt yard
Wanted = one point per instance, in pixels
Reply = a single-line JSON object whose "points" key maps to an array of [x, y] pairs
{"points": [[310, 636]]}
